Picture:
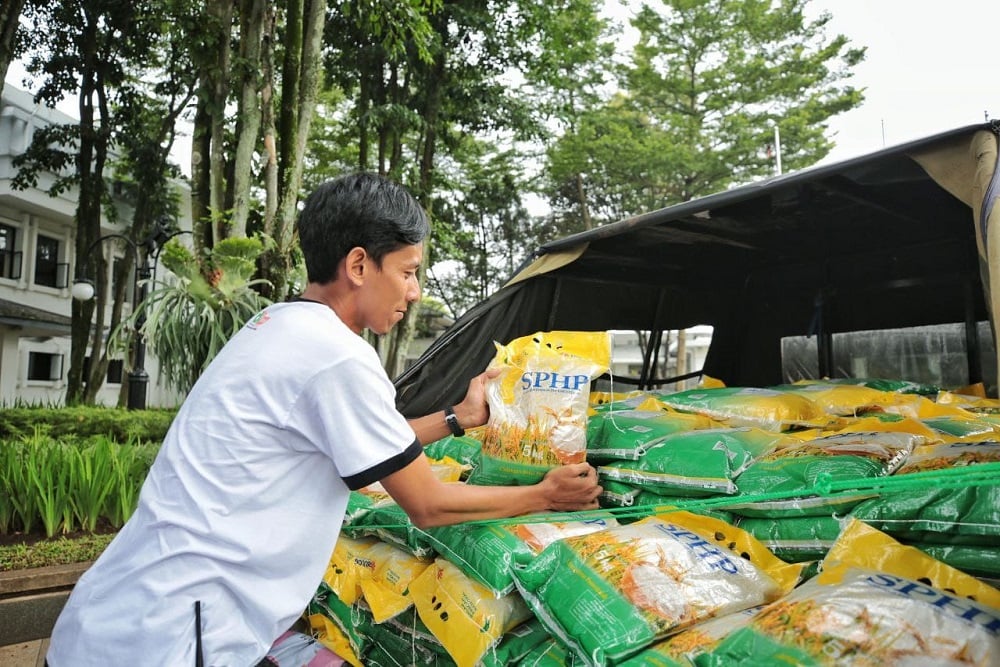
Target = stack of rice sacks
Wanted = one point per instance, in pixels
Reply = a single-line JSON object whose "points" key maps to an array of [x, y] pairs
{"points": [[738, 525]]}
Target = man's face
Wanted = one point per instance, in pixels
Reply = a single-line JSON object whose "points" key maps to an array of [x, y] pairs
{"points": [[390, 290]]}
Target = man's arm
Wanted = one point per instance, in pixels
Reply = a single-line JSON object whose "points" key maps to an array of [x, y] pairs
{"points": [[431, 502], [472, 411]]}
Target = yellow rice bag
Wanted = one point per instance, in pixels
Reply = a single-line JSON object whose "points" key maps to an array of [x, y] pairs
{"points": [[462, 614], [349, 565], [539, 403], [329, 635], [387, 589]]}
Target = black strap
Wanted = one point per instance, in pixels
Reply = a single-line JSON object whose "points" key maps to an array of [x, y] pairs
{"points": [[199, 659]]}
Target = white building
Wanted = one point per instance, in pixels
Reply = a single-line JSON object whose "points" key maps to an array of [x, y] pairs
{"points": [[37, 263], [627, 354]]}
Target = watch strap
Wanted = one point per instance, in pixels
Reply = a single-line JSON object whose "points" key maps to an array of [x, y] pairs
{"points": [[452, 421]]}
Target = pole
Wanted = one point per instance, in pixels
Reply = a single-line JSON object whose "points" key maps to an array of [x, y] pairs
{"points": [[138, 378], [777, 150]]}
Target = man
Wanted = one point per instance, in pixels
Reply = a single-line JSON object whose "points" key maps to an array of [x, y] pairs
{"points": [[243, 505]]}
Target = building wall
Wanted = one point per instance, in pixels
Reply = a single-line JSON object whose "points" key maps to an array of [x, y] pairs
{"points": [[30, 215]]}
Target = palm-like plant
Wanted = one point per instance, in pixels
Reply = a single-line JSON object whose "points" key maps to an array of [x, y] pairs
{"points": [[187, 320]]}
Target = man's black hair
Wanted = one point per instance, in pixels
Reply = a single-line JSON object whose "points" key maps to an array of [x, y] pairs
{"points": [[357, 210]]}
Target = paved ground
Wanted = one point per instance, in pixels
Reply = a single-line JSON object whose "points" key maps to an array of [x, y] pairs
{"points": [[27, 654]]}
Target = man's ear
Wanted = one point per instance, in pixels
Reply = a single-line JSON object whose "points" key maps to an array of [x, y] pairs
{"points": [[355, 265]]}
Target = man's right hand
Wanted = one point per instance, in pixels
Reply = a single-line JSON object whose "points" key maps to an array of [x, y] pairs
{"points": [[571, 487]]}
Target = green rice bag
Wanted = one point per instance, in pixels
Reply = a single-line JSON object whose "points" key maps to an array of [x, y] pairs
{"points": [[694, 463], [610, 594], [549, 653], [628, 434], [749, 406], [465, 449], [351, 622], [618, 494], [683, 649], [394, 645], [841, 457], [390, 523], [977, 560], [795, 539], [930, 513], [516, 644], [488, 553], [962, 426], [884, 384]]}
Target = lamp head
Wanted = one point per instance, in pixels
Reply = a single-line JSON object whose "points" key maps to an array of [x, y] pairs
{"points": [[82, 290]]}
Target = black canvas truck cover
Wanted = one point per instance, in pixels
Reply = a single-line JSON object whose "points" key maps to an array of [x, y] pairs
{"points": [[903, 237]]}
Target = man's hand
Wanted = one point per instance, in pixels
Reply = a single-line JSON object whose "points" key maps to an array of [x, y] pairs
{"points": [[474, 410], [571, 487]]}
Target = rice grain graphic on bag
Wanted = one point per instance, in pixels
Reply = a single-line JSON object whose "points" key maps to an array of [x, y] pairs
{"points": [[539, 404], [610, 594]]}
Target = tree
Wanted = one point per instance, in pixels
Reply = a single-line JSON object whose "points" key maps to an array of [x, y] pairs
{"points": [[479, 240], [707, 82], [96, 52], [10, 18]]}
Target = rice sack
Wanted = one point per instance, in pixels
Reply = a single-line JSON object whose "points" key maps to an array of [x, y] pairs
{"points": [[462, 614], [386, 589], [610, 594], [749, 406], [875, 602], [340, 627], [626, 434], [539, 405], [488, 552], [796, 539], [694, 463], [683, 649], [930, 512], [404, 640], [795, 471], [550, 653], [349, 565]]}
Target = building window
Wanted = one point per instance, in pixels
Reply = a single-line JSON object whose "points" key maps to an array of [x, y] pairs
{"points": [[10, 259], [45, 366], [48, 270]]}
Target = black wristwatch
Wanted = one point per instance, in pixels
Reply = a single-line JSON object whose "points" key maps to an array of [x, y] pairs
{"points": [[452, 421]]}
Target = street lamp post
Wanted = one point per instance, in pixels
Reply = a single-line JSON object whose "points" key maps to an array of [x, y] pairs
{"points": [[83, 290]]}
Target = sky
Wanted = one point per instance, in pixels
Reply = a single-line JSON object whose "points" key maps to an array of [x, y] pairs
{"points": [[930, 67]]}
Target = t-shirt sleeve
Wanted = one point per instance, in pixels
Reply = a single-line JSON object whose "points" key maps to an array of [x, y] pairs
{"points": [[348, 412]]}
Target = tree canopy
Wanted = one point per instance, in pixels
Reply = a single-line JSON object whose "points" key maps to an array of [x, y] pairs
{"points": [[476, 107]]}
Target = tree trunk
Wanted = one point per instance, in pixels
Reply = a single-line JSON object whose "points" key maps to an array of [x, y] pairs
{"points": [[252, 21], [581, 195], [296, 113], [10, 11]]}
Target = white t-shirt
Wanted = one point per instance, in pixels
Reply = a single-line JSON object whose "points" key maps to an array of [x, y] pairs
{"points": [[244, 503]]}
